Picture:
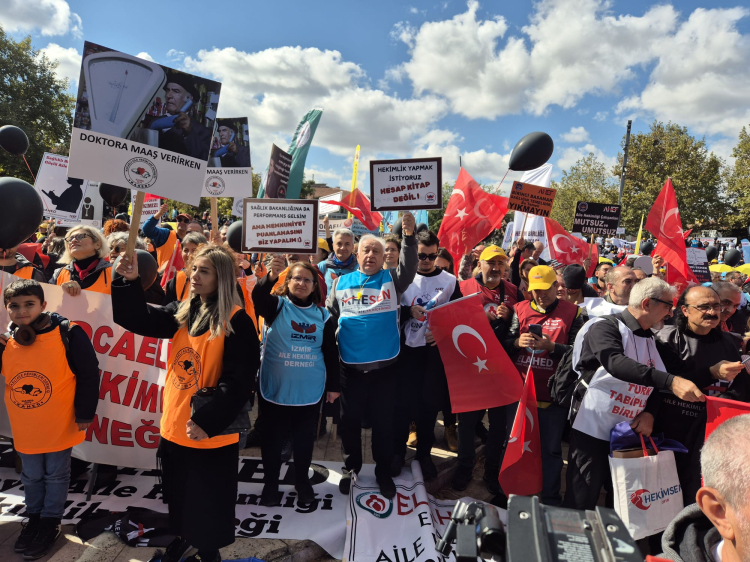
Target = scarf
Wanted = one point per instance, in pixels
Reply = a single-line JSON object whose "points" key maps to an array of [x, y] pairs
{"points": [[339, 263], [87, 270]]}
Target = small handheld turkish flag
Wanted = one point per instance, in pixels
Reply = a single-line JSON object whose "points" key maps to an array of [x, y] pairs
{"points": [[521, 473], [174, 265], [480, 374], [359, 205], [568, 249], [719, 410]]}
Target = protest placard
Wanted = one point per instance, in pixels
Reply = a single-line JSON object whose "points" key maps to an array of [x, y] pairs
{"points": [[229, 173], [596, 218], [151, 206], [529, 198], [61, 195], [698, 262], [330, 203], [93, 206], [142, 125], [288, 226], [353, 224], [276, 178], [398, 185]]}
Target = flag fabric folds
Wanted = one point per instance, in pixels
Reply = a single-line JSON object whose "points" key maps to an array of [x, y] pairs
{"points": [[719, 410], [567, 249], [360, 208]]}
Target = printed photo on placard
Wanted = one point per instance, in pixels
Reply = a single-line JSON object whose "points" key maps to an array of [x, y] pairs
{"points": [[277, 174], [229, 173], [142, 125], [62, 196]]}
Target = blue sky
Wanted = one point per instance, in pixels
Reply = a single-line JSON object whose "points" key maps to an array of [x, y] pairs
{"points": [[436, 78]]}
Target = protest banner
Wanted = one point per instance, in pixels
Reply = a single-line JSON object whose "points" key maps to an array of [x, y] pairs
{"points": [[535, 230], [322, 520], [151, 205], [707, 241], [530, 198], [698, 262], [288, 226], [229, 172], [745, 250], [125, 135], [92, 210], [276, 178], [62, 196], [596, 218], [727, 240], [402, 529], [353, 224], [400, 185], [330, 203]]}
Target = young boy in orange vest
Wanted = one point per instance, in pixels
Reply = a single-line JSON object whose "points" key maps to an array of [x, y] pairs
{"points": [[51, 393]]}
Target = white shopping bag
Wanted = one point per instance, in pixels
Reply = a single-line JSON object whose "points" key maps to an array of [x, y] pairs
{"points": [[647, 491]]}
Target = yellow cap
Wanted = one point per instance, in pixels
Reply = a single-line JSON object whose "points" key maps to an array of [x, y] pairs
{"points": [[491, 252], [322, 244], [541, 278]]}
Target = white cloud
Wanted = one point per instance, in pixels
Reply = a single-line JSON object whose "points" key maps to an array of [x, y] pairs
{"points": [[601, 116], [404, 31], [576, 135], [144, 55], [571, 155], [50, 17], [175, 55], [68, 62], [413, 10]]}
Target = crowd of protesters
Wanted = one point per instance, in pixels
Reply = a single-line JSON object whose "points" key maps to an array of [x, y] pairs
{"points": [[374, 359]]}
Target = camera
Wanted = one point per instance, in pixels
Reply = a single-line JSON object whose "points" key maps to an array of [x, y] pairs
{"points": [[537, 533]]}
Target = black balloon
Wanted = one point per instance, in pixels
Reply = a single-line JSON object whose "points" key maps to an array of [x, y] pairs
{"points": [[21, 212], [147, 268], [113, 195], [647, 247], [732, 257], [397, 229], [531, 151], [234, 236], [14, 140], [422, 227], [712, 252]]}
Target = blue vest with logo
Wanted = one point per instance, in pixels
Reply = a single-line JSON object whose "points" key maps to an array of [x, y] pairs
{"points": [[292, 372], [331, 272], [368, 319]]}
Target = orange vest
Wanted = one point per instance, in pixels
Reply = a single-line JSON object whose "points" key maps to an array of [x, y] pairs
{"points": [[191, 357], [165, 251], [39, 393], [247, 296], [24, 272], [102, 285], [180, 286]]}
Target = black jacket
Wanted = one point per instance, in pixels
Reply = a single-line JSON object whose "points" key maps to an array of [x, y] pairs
{"points": [[21, 263], [240, 360]]}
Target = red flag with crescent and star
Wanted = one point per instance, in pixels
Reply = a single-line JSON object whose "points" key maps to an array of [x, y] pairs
{"points": [[174, 265], [567, 249], [359, 206], [521, 473], [665, 224], [480, 374], [472, 214]]}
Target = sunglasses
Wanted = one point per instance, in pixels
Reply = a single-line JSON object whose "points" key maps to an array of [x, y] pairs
{"points": [[430, 257], [182, 219], [78, 237]]}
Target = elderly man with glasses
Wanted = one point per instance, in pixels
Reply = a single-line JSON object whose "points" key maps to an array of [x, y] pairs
{"points": [[710, 358], [733, 315]]}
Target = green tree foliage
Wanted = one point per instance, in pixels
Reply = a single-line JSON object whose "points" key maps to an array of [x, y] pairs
{"points": [[670, 151], [738, 185], [587, 180], [34, 99]]}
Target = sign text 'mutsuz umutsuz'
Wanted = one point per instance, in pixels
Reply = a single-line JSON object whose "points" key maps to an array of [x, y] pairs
{"points": [[596, 218]]}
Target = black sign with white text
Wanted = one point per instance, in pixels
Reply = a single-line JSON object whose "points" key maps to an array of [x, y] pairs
{"points": [[596, 218]]}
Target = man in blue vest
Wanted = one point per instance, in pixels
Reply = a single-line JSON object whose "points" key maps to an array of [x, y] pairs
{"points": [[366, 305], [342, 260]]}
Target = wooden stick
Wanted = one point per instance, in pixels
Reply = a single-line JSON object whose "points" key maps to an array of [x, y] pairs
{"points": [[591, 246], [135, 223], [214, 214], [523, 227]]}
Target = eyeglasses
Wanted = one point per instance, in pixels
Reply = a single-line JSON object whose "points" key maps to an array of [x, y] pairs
{"points": [[706, 307], [118, 250], [182, 219], [728, 305], [78, 237], [302, 280], [430, 257], [668, 303]]}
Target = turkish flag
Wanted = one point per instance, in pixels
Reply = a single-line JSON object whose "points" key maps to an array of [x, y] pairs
{"points": [[472, 214], [568, 249], [174, 265], [480, 374], [521, 473], [358, 205], [720, 410], [665, 224]]}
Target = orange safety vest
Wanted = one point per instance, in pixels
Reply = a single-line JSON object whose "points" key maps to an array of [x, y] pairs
{"points": [[102, 285], [192, 359], [165, 251], [181, 286], [25, 272], [247, 296], [39, 394]]}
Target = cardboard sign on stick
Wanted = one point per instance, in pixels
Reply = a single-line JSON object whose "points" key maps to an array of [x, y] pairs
{"points": [[596, 218], [229, 173], [142, 125], [529, 198], [400, 185], [287, 226], [61, 195]]}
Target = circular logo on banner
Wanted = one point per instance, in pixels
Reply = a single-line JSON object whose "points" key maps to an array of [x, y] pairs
{"points": [[491, 307], [140, 172], [304, 135], [29, 390], [430, 197], [186, 368], [583, 207], [307, 243], [238, 208], [348, 223], [377, 504], [215, 185], [636, 498]]}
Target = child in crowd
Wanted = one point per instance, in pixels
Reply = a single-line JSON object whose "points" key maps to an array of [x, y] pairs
{"points": [[51, 393]]}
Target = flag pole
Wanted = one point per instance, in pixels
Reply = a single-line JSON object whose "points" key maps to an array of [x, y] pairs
{"points": [[638, 240], [355, 170], [214, 214], [135, 223], [591, 246]]}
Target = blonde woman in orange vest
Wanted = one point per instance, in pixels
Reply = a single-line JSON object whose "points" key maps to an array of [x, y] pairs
{"points": [[14, 263], [213, 346], [87, 268], [178, 288]]}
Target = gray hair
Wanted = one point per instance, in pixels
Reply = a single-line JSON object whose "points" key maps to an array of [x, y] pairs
{"points": [[368, 237], [720, 286], [343, 232], [724, 465], [117, 238], [651, 288], [194, 238], [95, 234], [611, 276]]}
